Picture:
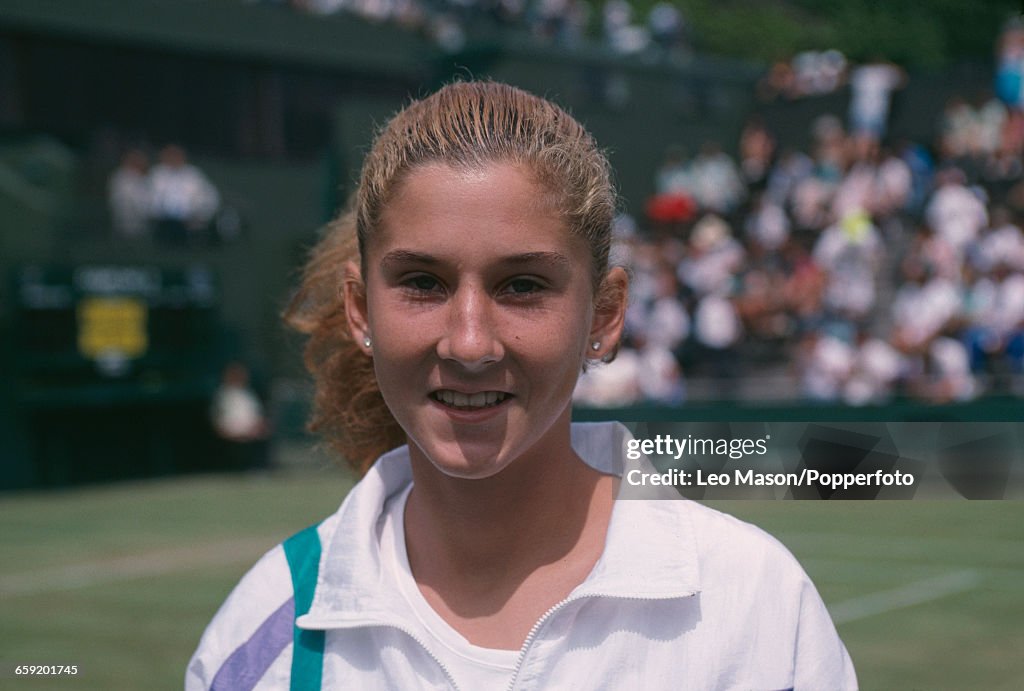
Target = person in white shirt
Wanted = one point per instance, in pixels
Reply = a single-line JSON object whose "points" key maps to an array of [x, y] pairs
{"points": [[183, 201], [871, 87], [955, 211], [851, 251], [129, 195], [450, 312]]}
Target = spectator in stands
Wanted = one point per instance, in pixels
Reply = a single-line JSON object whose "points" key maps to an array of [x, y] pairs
{"points": [[239, 420], [761, 304], [955, 211], [665, 321], [924, 307], [1003, 242], [919, 161], [129, 195], [659, 378], [619, 30], [831, 148], [713, 260], [673, 205], [825, 363], [894, 185], [1009, 77], [850, 252], [560, 21], [708, 270], [812, 192], [876, 370], [766, 226], [668, 29], [945, 374], [184, 200], [955, 127], [934, 253], [792, 168], [856, 191], [818, 72], [996, 313], [778, 82], [989, 120], [673, 177], [804, 288], [871, 87], [717, 184], [757, 148]]}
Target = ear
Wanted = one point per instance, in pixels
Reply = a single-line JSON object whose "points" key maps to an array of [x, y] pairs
{"points": [[609, 315], [354, 290]]}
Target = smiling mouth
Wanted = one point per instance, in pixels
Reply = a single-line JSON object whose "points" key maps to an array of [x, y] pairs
{"points": [[474, 401]]}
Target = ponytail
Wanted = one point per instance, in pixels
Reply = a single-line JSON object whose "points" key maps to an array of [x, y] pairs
{"points": [[348, 409]]}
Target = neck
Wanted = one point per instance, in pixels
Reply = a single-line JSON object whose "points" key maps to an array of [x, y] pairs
{"points": [[537, 511]]}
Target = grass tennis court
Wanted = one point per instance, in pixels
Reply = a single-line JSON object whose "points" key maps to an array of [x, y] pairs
{"points": [[120, 580]]}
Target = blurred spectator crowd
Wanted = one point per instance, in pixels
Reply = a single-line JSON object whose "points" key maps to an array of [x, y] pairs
{"points": [[663, 31], [858, 270]]}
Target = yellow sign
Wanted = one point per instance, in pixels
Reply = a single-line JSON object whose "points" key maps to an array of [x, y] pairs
{"points": [[112, 325]]}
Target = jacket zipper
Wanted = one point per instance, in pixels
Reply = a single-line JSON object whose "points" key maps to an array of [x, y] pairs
{"points": [[435, 658], [530, 637]]}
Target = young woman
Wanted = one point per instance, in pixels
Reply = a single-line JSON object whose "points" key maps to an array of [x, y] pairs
{"points": [[450, 312]]}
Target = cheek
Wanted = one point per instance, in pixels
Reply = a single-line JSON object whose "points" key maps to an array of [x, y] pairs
{"points": [[558, 345], [396, 347]]}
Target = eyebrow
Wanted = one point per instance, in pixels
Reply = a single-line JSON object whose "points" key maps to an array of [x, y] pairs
{"points": [[554, 259], [408, 257]]}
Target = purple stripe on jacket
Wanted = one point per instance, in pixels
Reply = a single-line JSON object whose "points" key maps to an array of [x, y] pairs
{"points": [[246, 666]]}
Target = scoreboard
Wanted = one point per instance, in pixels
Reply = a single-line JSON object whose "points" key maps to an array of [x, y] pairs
{"points": [[114, 368]]}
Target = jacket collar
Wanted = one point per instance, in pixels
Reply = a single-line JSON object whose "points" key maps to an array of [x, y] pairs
{"points": [[650, 550]]}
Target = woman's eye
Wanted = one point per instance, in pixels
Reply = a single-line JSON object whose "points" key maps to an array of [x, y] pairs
{"points": [[424, 284], [522, 286]]}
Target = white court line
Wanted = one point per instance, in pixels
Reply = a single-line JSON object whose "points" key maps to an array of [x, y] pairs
{"points": [[154, 563], [909, 595], [899, 542]]}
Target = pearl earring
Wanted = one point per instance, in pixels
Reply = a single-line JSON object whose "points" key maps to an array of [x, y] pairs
{"points": [[367, 342], [596, 345]]}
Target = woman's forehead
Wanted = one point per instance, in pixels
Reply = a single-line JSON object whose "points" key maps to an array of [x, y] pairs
{"points": [[498, 179], [499, 204]]}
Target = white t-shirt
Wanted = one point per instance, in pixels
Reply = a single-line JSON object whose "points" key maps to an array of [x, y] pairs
{"points": [[872, 85], [957, 215], [237, 412], [472, 666], [717, 325]]}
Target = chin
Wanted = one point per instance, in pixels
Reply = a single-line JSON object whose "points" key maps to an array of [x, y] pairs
{"points": [[468, 471], [465, 463], [471, 468]]}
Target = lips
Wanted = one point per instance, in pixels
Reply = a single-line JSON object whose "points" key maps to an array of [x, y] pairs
{"points": [[469, 401]]}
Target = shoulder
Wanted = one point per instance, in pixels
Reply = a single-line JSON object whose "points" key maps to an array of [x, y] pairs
{"points": [[255, 620], [725, 538], [742, 559], [748, 574], [252, 632]]}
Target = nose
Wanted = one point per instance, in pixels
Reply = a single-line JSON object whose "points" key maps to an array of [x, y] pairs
{"points": [[471, 336]]}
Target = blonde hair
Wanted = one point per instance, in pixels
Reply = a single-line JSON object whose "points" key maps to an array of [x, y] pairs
{"points": [[465, 124]]}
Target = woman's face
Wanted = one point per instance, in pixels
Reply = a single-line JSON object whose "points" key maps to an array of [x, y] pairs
{"points": [[479, 303]]}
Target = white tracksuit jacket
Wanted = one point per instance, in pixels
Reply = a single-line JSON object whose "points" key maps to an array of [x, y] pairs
{"points": [[683, 597]]}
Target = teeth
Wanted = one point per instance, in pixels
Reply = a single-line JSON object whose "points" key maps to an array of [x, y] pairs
{"points": [[482, 399]]}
